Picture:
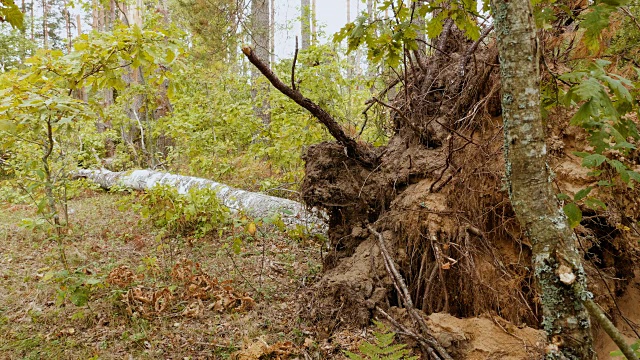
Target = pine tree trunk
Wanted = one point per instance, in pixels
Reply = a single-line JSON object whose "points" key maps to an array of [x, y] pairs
{"points": [[556, 262], [260, 37], [45, 26]]}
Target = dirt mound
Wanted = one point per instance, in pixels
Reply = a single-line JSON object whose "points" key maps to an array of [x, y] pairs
{"points": [[485, 338], [436, 193]]}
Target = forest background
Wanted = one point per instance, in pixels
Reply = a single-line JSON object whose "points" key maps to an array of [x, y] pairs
{"points": [[165, 86]]}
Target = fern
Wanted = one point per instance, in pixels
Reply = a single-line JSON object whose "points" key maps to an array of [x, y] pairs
{"points": [[383, 347]]}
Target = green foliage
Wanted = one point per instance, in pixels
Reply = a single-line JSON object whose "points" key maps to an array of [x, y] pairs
{"points": [[15, 47], [635, 346], [387, 38], [218, 136], [45, 130], [383, 348], [9, 12], [606, 104], [196, 213], [75, 286]]}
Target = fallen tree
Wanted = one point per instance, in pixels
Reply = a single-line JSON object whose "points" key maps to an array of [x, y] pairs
{"points": [[257, 205]]}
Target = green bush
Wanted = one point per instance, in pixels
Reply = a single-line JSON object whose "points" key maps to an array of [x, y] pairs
{"points": [[197, 213]]}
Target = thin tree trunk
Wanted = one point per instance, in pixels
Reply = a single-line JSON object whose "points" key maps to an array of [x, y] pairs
{"points": [[557, 266], [33, 37], [67, 18], [45, 30], [348, 11], [314, 33], [260, 37], [305, 24], [272, 35]]}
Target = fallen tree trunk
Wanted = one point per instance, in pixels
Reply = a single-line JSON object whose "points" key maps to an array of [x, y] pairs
{"points": [[253, 204]]}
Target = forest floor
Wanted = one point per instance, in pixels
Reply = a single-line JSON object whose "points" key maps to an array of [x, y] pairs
{"points": [[218, 304], [180, 298]]}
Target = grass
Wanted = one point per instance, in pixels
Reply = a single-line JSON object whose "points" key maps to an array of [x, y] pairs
{"points": [[38, 319]]}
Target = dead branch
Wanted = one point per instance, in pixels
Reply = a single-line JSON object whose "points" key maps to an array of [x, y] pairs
{"points": [[402, 115], [472, 48], [424, 343], [403, 292], [293, 67], [354, 150]]}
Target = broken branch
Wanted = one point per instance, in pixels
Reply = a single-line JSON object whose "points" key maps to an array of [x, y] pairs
{"points": [[353, 149], [403, 291]]}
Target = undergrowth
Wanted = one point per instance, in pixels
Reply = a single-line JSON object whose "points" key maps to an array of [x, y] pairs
{"points": [[383, 347]]}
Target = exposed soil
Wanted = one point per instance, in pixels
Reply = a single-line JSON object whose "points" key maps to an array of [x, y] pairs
{"points": [[437, 197]]}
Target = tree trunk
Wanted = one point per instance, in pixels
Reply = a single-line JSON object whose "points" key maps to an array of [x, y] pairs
{"points": [[272, 35], [314, 32], [422, 34], [45, 26], [348, 11], [255, 205], [305, 24], [260, 37], [556, 262], [33, 37]]}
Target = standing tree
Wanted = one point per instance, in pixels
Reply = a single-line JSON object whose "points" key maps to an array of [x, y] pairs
{"points": [[260, 39], [305, 23], [556, 262]]}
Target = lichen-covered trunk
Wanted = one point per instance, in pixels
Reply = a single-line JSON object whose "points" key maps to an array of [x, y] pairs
{"points": [[556, 261]]}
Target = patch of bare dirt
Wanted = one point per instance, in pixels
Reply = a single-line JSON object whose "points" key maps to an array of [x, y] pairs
{"points": [[486, 338]]}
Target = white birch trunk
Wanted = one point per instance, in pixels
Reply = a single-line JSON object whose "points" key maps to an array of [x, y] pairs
{"points": [[253, 204]]}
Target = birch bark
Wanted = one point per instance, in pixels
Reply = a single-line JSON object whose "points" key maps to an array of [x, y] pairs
{"points": [[253, 204]]}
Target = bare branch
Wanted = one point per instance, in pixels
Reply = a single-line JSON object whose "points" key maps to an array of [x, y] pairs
{"points": [[293, 67], [354, 150], [403, 291]]}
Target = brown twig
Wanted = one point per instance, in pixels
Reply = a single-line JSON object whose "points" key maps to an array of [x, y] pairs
{"points": [[403, 292], [473, 48], [402, 114], [353, 149], [423, 342], [293, 67]]}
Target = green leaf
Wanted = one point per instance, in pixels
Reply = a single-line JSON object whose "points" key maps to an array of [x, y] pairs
{"points": [[593, 160], [8, 126], [574, 214], [595, 204], [594, 22], [79, 296], [582, 193], [584, 114], [619, 166], [10, 13]]}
